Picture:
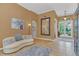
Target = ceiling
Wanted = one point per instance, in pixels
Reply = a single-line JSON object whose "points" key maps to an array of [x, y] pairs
{"points": [[59, 8]]}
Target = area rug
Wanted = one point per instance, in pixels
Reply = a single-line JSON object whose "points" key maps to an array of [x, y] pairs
{"points": [[35, 51]]}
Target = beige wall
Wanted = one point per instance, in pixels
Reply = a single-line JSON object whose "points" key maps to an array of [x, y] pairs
{"points": [[8, 11], [52, 16]]}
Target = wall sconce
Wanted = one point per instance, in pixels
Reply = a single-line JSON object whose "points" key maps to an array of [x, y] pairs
{"points": [[29, 25]]}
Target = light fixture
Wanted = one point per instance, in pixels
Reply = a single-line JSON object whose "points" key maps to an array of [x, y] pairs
{"points": [[29, 24], [65, 15], [64, 18], [29, 32]]}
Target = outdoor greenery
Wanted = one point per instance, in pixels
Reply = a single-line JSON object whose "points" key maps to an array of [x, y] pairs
{"points": [[67, 27]]}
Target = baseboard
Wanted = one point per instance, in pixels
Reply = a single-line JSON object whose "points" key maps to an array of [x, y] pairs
{"points": [[45, 39], [1, 48]]}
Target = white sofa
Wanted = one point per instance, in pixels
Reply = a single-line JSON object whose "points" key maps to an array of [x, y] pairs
{"points": [[10, 45]]}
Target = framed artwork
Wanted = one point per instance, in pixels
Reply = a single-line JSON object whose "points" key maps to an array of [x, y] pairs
{"points": [[45, 26], [17, 23]]}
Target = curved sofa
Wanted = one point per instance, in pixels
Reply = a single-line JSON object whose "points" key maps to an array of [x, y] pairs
{"points": [[10, 45]]}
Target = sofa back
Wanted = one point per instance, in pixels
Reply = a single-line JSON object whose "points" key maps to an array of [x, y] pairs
{"points": [[27, 37]]}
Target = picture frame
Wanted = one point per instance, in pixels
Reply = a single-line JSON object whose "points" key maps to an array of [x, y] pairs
{"points": [[45, 26]]}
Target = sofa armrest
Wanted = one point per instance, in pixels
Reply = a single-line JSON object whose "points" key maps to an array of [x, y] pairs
{"points": [[8, 41]]}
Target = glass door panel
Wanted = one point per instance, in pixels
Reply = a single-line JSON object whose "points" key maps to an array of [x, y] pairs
{"points": [[60, 28], [68, 27]]}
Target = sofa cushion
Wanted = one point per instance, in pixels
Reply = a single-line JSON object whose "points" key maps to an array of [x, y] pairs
{"points": [[18, 37]]}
